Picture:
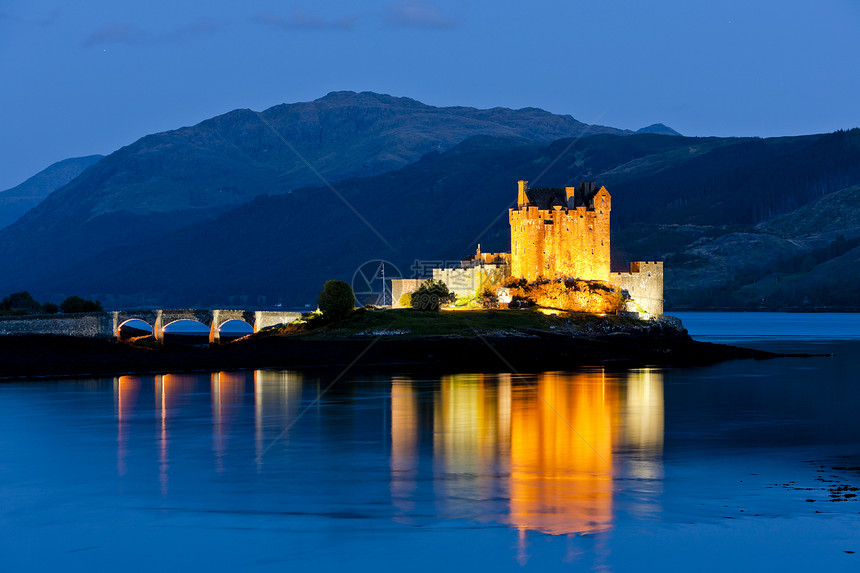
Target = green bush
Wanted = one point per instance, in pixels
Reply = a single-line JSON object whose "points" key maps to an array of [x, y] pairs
{"points": [[405, 300], [431, 295], [75, 304], [50, 308], [336, 299]]}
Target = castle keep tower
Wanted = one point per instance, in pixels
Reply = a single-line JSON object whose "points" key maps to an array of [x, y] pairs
{"points": [[560, 233]]}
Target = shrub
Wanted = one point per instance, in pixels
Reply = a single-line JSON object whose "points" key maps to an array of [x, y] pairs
{"points": [[336, 299], [489, 299], [431, 295], [405, 299], [569, 294], [75, 304], [50, 308]]}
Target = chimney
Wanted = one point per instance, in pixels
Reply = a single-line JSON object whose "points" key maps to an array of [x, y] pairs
{"points": [[522, 198], [571, 197]]}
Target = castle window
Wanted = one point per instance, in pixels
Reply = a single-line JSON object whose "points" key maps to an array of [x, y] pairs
{"points": [[603, 200], [590, 228], [601, 211]]}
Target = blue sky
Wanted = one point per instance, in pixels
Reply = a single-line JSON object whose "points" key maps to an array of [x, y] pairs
{"points": [[90, 77]]}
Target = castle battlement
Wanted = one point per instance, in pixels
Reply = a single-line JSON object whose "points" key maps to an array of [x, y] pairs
{"points": [[560, 232]]}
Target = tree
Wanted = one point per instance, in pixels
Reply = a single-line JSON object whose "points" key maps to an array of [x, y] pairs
{"points": [[336, 299], [21, 301], [75, 304], [93, 306], [50, 308], [431, 295]]}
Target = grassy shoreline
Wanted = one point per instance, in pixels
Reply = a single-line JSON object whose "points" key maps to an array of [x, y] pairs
{"points": [[449, 342], [410, 323]]}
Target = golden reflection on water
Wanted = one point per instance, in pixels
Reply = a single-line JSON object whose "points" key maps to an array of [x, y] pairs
{"points": [[168, 390], [277, 395], [404, 446], [561, 453], [228, 392], [546, 443], [537, 452], [126, 390]]}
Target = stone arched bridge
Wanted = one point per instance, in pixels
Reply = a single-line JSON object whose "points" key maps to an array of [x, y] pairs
{"points": [[107, 324]]}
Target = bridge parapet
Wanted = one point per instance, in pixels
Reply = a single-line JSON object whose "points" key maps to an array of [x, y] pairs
{"points": [[108, 324], [89, 325], [266, 318]]}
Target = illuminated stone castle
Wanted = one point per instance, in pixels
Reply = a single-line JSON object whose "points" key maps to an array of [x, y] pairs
{"points": [[560, 233], [555, 233]]}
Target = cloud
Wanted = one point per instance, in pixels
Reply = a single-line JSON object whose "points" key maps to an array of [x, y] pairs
{"points": [[417, 14], [302, 20], [196, 28], [120, 33], [45, 20], [117, 34]]}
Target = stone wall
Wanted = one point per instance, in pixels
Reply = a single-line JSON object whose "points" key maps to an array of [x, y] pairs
{"points": [[471, 281], [401, 286], [265, 318], [459, 281], [90, 325], [644, 283], [562, 242]]}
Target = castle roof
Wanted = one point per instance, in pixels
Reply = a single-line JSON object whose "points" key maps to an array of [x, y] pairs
{"points": [[545, 198]]}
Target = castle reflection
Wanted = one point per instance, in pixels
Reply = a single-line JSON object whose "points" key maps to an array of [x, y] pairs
{"points": [[546, 453], [546, 444], [561, 453]]}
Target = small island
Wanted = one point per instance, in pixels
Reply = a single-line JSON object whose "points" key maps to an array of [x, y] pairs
{"points": [[399, 340]]}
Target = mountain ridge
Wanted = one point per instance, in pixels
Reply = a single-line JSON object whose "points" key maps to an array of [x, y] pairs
{"points": [[16, 201], [282, 247], [259, 197]]}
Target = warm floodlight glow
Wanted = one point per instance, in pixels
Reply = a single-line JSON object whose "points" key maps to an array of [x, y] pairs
{"points": [[555, 436]]}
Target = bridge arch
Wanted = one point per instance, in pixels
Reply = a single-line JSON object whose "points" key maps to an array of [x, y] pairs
{"points": [[185, 327], [235, 327], [135, 323]]}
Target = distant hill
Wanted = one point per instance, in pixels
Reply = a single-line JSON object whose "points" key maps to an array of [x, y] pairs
{"points": [[169, 180], [734, 218], [18, 200], [659, 129]]}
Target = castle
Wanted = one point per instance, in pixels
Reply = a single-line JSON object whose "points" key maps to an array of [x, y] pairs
{"points": [[560, 233], [555, 233]]}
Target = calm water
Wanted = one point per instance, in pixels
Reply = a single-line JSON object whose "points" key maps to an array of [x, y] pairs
{"points": [[729, 467]]}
